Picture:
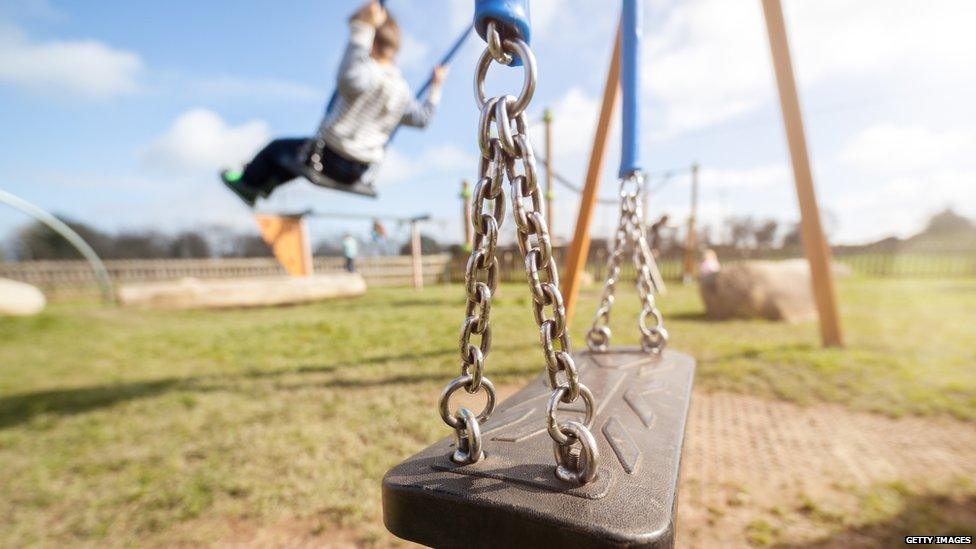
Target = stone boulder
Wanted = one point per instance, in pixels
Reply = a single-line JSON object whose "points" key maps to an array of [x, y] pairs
{"points": [[774, 290], [19, 299], [223, 293]]}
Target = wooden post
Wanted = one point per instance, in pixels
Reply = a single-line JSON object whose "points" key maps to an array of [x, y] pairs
{"points": [[580, 247], [691, 239], [811, 230], [466, 214], [416, 252], [547, 118]]}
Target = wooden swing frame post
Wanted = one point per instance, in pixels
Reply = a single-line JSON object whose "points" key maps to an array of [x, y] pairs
{"points": [[579, 249], [811, 230]]}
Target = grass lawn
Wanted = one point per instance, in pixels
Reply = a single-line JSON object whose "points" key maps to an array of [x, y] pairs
{"points": [[142, 427]]}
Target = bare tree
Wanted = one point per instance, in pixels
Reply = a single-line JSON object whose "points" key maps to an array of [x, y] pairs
{"points": [[765, 234], [741, 231]]}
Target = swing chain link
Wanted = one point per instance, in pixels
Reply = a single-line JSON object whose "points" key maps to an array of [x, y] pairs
{"points": [[630, 230], [506, 154]]}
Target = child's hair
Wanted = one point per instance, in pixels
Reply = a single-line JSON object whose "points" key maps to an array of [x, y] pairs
{"points": [[387, 39]]}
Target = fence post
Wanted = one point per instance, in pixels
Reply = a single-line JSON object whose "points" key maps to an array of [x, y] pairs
{"points": [[416, 253], [691, 239], [466, 215]]}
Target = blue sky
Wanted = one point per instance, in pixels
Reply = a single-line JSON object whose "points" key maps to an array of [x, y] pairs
{"points": [[119, 113]]}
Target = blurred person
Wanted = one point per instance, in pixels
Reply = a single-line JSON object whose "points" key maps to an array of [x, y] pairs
{"points": [[654, 233], [709, 264], [372, 100], [350, 251]]}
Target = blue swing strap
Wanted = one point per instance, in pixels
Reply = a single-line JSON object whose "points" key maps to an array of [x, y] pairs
{"points": [[632, 25]]}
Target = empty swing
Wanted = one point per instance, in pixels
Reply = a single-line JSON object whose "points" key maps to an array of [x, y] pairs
{"points": [[588, 453], [309, 161]]}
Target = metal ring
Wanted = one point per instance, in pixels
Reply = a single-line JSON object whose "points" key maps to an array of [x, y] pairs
{"points": [[494, 39], [642, 321], [467, 329], [554, 298], [452, 387], [482, 301], [504, 123], [565, 364], [475, 264], [528, 82], [548, 350], [554, 429], [469, 446], [598, 339], [533, 270], [484, 127], [588, 461]]}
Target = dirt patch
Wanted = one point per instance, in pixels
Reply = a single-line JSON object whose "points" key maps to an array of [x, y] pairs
{"points": [[757, 471]]}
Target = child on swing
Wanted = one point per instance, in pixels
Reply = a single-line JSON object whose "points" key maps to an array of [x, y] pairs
{"points": [[372, 99]]}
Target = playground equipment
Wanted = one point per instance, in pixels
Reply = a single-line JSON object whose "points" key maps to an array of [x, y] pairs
{"points": [[287, 235], [309, 161], [814, 243], [617, 458], [73, 238]]}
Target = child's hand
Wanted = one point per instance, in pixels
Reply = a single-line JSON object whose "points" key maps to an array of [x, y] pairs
{"points": [[372, 14], [440, 74]]}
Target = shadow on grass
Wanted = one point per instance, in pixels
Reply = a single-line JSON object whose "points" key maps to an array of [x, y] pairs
{"points": [[17, 409], [21, 408], [698, 316], [930, 515], [759, 351]]}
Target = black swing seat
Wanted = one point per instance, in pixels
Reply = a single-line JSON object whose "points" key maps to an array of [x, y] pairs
{"points": [[512, 498], [363, 187]]}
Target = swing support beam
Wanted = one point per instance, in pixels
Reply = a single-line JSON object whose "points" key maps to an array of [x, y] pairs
{"points": [[811, 230], [579, 249]]}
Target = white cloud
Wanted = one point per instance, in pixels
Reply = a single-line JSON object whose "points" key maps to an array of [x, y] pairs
{"points": [[199, 139], [709, 61], [890, 148], [31, 9], [750, 178], [907, 173], [87, 68]]}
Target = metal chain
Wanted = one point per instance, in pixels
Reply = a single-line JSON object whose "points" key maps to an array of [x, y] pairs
{"points": [[630, 230], [507, 155]]}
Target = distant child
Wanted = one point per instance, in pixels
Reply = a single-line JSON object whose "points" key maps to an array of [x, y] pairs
{"points": [[350, 250], [373, 99], [709, 265]]}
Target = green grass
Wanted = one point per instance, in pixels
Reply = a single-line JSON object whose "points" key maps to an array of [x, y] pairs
{"points": [[135, 427]]}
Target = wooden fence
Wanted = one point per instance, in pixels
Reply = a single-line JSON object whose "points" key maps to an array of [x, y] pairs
{"points": [[72, 277]]}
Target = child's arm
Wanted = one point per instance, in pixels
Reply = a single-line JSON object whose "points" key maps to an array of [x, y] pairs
{"points": [[357, 72], [419, 114]]}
